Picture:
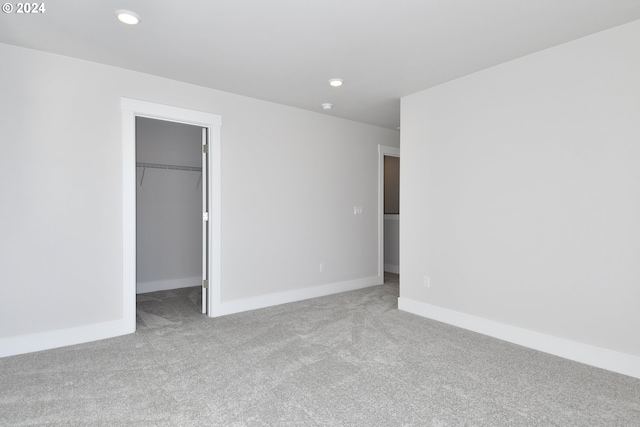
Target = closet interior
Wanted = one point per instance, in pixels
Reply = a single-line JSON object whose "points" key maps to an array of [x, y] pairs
{"points": [[168, 205]]}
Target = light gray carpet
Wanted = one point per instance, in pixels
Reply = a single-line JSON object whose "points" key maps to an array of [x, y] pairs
{"points": [[350, 359]]}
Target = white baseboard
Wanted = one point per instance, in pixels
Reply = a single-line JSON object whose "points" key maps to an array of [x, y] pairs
{"points": [[621, 363], [163, 285], [392, 268], [29, 343], [269, 300]]}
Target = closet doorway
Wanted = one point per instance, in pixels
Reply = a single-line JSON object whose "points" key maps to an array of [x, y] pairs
{"points": [[140, 172], [170, 201], [389, 209], [392, 214]]}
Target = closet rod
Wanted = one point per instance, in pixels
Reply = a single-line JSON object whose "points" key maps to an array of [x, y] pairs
{"points": [[174, 167]]}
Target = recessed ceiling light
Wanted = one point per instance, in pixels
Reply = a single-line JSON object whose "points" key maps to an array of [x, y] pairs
{"points": [[327, 106], [127, 16], [336, 82]]}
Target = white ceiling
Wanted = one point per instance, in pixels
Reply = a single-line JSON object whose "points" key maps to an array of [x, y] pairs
{"points": [[285, 51]]}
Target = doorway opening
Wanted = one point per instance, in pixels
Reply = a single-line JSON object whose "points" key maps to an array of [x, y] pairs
{"points": [[136, 172], [392, 214], [169, 228], [389, 211]]}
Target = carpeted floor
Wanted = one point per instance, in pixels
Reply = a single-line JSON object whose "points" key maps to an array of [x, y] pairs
{"points": [[350, 359]]}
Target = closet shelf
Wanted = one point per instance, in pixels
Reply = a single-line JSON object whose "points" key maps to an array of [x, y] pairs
{"points": [[144, 167], [174, 167]]}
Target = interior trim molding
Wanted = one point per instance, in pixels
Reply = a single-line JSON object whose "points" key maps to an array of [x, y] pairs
{"points": [[610, 360], [269, 300], [21, 344], [130, 109]]}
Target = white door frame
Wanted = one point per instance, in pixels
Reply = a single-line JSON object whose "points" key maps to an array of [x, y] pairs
{"points": [[206, 308], [132, 108], [383, 150]]}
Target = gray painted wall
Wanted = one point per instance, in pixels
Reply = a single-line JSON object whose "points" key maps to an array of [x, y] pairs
{"points": [[283, 210], [520, 192]]}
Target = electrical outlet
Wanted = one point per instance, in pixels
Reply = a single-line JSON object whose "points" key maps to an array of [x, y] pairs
{"points": [[427, 281], [322, 267]]}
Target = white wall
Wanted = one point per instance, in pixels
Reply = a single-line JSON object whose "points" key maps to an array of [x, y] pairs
{"points": [[290, 179], [521, 196], [392, 243], [168, 206]]}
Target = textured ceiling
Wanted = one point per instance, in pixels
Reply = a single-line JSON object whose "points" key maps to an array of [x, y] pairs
{"points": [[285, 51]]}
